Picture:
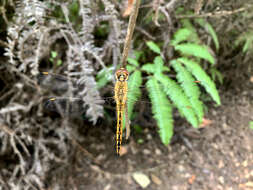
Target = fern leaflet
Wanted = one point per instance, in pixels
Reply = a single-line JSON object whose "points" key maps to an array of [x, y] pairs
{"points": [[154, 47], [248, 38], [190, 88], [208, 27], [161, 108], [149, 68], [194, 36], [201, 75], [158, 64], [134, 92], [178, 97], [196, 50], [181, 35]]}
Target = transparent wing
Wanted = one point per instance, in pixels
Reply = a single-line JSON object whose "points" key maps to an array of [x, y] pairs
{"points": [[59, 101], [71, 96]]}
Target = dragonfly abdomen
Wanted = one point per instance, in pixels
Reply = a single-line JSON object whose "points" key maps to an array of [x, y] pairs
{"points": [[120, 114]]}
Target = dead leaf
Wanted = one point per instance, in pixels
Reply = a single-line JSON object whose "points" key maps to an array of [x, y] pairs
{"points": [[156, 180], [191, 179], [129, 8], [251, 79], [242, 186], [142, 179], [249, 184], [107, 187], [205, 122], [123, 150], [245, 163]]}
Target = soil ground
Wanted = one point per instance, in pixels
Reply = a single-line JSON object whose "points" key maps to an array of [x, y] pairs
{"points": [[217, 156]]}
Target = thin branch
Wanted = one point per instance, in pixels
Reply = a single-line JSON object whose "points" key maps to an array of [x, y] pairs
{"points": [[214, 14], [198, 6], [170, 5], [156, 9], [130, 31], [141, 30]]}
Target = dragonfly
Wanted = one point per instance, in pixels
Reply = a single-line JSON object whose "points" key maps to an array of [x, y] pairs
{"points": [[74, 105], [120, 94]]}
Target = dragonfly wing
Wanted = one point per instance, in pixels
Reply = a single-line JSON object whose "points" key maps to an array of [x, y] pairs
{"points": [[127, 123], [65, 106], [56, 83], [61, 85]]}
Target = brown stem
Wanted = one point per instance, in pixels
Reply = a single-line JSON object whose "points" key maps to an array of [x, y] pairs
{"points": [[130, 31], [214, 14]]}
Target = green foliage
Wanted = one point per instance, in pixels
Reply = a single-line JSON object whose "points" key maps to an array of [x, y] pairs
{"points": [[186, 23], [208, 27], [137, 128], [161, 108], [140, 141], [191, 49], [201, 76], [251, 125], [178, 97], [133, 62], [151, 68], [130, 68], [183, 92], [104, 77], [181, 35], [73, 13], [134, 93], [154, 47], [190, 88], [247, 39], [215, 74], [54, 58]]}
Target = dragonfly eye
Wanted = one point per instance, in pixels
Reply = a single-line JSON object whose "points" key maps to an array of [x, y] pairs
{"points": [[122, 78]]}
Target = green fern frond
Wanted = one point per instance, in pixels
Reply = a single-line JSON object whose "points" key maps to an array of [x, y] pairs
{"points": [[181, 35], [196, 50], [178, 97], [208, 27], [247, 38], [201, 75], [149, 68], [246, 45], [216, 74], [194, 35], [161, 108], [134, 92], [130, 68], [158, 64], [154, 47], [137, 54], [132, 61], [190, 88], [104, 76]]}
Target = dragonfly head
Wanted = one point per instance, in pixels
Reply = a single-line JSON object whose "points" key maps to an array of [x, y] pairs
{"points": [[121, 75]]}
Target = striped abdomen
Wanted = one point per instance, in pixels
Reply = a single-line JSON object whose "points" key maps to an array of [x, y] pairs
{"points": [[120, 114]]}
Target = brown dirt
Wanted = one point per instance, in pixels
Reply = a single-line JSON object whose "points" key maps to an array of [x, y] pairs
{"points": [[217, 156]]}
